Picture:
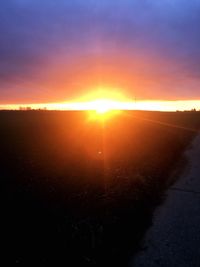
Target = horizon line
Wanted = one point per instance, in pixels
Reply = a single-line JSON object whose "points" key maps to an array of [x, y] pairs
{"points": [[151, 105]]}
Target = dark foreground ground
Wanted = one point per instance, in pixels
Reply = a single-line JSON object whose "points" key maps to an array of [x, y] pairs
{"points": [[77, 192]]}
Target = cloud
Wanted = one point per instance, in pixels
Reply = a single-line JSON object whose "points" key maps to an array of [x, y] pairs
{"points": [[48, 46]]}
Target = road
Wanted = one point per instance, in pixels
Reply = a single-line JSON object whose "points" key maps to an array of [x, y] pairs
{"points": [[174, 238]]}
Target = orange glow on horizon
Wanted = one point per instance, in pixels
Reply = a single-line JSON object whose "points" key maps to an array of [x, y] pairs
{"points": [[131, 105], [105, 101], [102, 103], [102, 100]]}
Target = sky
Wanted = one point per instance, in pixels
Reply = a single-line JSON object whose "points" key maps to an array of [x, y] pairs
{"points": [[59, 50]]}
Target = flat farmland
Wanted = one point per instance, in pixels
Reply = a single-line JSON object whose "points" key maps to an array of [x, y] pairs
{"points": [[81, 192]]}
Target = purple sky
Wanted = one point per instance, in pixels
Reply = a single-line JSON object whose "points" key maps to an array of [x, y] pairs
{"points": [[54, 50]]}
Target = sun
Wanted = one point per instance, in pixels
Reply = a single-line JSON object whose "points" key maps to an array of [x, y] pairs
{"points": [[103, 109], [103, 106], [102, 103]]}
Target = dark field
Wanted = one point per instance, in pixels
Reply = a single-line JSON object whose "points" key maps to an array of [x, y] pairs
{"points": [[81, 193]]}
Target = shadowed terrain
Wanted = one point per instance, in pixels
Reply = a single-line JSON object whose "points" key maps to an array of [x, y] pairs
{"points": [[81, 192], [174, 238]]}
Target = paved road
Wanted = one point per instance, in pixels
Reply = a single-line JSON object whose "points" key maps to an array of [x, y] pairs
{"points": [[174, 238]]}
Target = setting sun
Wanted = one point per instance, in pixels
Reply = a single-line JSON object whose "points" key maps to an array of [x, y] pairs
{"points": [[103, 106], [102, 100]]}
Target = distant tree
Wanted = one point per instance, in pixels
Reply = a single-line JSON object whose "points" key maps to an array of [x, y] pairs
{"points": [[25, 108]]}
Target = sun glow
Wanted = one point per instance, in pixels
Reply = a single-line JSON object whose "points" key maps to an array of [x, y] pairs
{"points": [[102, 106], [106, 101], [102, 103]]}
